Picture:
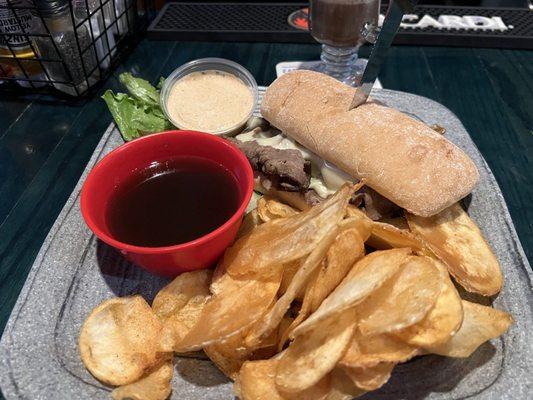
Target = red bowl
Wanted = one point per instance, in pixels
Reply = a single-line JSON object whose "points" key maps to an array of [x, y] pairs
{"points": [[120, 164]]}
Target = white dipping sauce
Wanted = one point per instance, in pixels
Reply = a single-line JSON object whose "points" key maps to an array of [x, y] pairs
{"points": [[209, 101]]}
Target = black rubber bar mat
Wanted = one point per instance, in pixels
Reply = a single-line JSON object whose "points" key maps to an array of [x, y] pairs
{"points": [[269, 22]]}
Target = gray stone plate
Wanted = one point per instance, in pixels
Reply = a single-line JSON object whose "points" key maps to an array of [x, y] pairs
{"points": [[74, 272]]}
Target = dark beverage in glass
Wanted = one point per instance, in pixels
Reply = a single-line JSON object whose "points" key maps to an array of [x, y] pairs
{"points": [[339, 22], [338, 26]]}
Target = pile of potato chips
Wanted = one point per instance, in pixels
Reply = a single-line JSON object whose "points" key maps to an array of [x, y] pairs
{"points": [[319, 304]]}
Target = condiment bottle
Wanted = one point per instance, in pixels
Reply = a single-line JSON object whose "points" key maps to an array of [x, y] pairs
{"points": [[65, 43], [17, 48], [126, 19], [99, 16]]}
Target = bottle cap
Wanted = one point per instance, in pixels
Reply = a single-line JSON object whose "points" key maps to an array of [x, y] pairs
{"points": [[49, 8]]}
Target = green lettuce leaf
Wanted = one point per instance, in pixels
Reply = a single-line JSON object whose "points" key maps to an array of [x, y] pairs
{"points": [[160, 83], [135, 117], [140, 89]]}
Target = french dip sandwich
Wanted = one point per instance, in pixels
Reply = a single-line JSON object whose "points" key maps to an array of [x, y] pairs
{"points": [[317, 145]]}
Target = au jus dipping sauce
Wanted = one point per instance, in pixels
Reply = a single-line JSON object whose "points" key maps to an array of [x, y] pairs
{"points": [[172, 202], [339, 22]]}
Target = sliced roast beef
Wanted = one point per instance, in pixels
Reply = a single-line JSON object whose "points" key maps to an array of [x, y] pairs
{"points": [[377, 206], [312, 198], [286, 169]]}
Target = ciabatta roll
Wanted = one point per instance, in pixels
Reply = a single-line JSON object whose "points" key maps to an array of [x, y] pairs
{"points": [[401, 158]]}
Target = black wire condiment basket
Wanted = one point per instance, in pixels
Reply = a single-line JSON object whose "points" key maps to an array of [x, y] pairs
{"points": [[66, 47]]}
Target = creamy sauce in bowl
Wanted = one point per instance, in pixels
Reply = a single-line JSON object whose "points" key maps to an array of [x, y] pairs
{"points": [[209, 101]]}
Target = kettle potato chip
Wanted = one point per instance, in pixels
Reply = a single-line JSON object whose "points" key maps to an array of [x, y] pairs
{"points": [[369, 351], [286, 239], [179, 305], [403, 300], [269, 209], [229, 366], [154, 386], [342, 386], [370, 378], [274, 316], [366, 276], [289, 270], [480, 324], [385, 236], [442, 321], [347, 248], [119, 340], [234, 308], [313, 355], [359, 221], [457, 241], [230, 354], [257, 382]]}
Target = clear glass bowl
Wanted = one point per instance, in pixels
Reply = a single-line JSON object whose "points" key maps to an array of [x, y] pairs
{"points": [[205, 64]]}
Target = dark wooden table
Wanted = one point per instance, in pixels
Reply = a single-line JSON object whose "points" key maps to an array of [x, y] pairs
{"points": [[45, 143]]}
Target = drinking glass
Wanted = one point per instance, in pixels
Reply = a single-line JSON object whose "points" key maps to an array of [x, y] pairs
{"points": [[338, 25]]}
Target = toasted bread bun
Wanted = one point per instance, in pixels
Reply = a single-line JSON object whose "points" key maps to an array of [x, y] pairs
{"points": [[401, 158]]}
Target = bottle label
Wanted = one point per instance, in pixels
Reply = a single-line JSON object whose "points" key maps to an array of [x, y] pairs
{"points": [[14, 23]]}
